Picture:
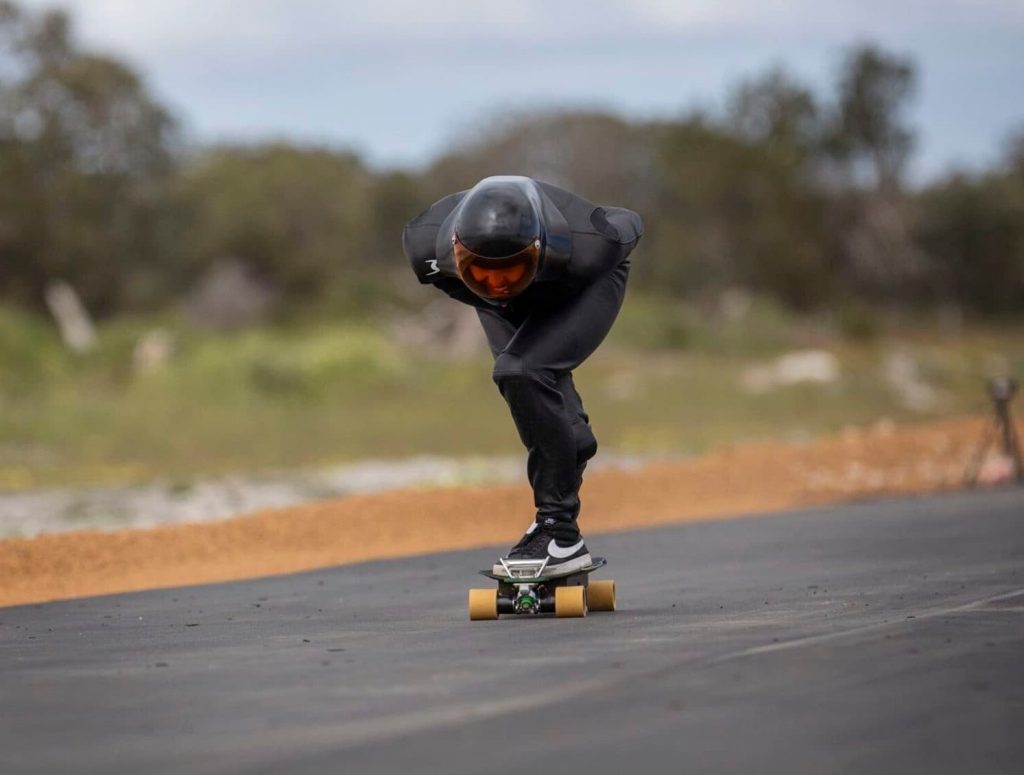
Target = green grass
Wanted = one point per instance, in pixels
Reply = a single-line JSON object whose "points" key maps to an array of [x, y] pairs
{"points": [[321, 394]]}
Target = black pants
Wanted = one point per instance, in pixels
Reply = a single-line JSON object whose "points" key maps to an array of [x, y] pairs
{"points": [[535, 351]]}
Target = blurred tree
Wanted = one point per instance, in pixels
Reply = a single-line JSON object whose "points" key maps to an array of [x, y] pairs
{"points": [[735, 212], [869, 134], [786, 193], [869, 142], [781, 122], [86, 154], [778, 113], [301, 218], [973, 229], [394, 198], [600, 156], [1014, 155]]}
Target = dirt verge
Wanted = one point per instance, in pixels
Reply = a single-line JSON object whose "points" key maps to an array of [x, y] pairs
{"points": [[744, 479]]}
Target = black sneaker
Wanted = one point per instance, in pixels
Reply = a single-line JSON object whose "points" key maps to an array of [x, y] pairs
{"points": [[558, 542]]}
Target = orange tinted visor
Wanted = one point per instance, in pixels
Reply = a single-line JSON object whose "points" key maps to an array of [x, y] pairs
{"points": [[497, 278]]}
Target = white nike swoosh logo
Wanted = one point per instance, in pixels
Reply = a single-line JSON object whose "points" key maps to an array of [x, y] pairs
{"points": [[557, 551]]}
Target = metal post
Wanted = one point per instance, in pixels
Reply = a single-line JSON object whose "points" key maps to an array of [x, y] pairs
{"points": [[1002, 391]]}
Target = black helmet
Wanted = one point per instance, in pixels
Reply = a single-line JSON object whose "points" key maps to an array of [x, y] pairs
{"points": [[498, 237]]}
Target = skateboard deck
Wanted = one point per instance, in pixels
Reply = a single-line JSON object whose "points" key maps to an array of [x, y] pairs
{"points": [[529, 589]]}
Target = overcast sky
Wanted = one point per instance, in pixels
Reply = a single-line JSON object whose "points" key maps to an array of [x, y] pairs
{"points": [[397, 80]]}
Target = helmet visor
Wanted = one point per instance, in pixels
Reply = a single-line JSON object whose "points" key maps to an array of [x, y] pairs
{"points": [[497, 278]]}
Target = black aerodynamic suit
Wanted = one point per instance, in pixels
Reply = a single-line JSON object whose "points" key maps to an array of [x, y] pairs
{"points": [[539, 337]]}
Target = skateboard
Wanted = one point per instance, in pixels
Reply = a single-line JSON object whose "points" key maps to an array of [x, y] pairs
{"points": [[527, 589]]}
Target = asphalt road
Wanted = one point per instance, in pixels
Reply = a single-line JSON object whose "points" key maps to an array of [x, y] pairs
{"points": [[877, 637]]}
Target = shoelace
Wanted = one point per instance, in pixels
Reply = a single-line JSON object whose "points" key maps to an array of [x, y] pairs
{"points": [[530, 542]]}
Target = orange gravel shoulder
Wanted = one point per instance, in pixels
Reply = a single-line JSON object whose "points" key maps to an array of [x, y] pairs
{"points": [[744, 479]]}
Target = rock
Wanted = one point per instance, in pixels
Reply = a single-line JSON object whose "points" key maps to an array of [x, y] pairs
{"points": [[152, 351], [734, 304], [815, 366], [996, 469], [622, 386], [901, 373], [229, 296], [444, 329], [884, 428]]}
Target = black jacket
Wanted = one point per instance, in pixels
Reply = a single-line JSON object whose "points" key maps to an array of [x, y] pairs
{"points": [[584, 242]]}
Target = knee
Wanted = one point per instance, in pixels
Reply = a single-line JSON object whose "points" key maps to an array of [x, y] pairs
{"points": [[586, 442], [512, 368]]}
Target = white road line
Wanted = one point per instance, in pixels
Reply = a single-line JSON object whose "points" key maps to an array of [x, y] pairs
{"points": [[813, 640]]}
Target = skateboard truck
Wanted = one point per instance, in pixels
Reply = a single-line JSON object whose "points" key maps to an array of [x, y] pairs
{"points": [[525, 598]]}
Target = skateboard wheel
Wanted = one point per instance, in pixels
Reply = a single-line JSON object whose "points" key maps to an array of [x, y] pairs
{"points": [[601, 595], [483, 604], [570, 601]]}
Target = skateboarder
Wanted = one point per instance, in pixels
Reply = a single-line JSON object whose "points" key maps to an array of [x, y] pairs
{"points": [[546, 271]]}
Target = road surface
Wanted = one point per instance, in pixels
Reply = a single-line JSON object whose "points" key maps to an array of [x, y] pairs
{"points": [[883, 636]]}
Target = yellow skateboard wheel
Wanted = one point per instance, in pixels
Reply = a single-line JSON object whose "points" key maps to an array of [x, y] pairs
{"points": [[601, 595], [570, 601], [483, 604]]}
